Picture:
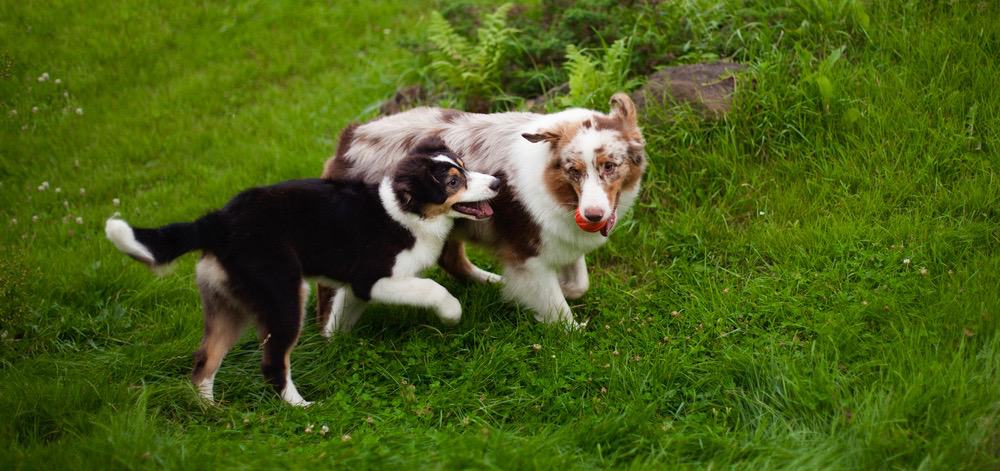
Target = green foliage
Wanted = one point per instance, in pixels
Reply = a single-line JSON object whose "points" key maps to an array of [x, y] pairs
{"points": [[831, 18], [472, 70], [819, 82], [593, 80]]}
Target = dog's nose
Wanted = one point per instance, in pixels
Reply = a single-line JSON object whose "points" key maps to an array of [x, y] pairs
{"points": [[495, 184], [593, 214]]}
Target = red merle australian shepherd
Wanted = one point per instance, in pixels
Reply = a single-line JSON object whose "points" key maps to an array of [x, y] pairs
{"points": [[373, 238], [566, 179]]}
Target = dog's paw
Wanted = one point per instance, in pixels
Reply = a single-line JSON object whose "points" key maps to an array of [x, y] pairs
{"points": [[450, 311], [572, 290]]}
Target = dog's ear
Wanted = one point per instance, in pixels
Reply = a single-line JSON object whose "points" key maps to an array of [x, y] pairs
{"points": [[623, 109], [402, 187], [416, 185], [432, 145], [547, 136]]}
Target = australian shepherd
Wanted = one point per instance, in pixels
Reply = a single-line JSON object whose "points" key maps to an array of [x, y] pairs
{"points": [[566, 179], [373, 238]]}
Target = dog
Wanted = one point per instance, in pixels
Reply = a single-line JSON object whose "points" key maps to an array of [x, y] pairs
{"points": [[374, 239], [562, 175]]}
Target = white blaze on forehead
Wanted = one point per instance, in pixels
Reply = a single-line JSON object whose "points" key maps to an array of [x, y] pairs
{"points": [[592, 195], [587, 141], [445, 159]]}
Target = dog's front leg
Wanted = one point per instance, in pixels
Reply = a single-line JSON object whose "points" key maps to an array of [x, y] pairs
{"points": [[419, 292], [536, 286], [573, 279]]}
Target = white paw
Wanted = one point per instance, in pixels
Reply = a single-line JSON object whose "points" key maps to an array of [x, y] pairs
{"points": [[292, 397], [450, 311], [572, 290]]}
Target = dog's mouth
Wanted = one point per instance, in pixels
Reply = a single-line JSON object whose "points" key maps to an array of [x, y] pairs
{"points": [[610, 224], [476, 209]]}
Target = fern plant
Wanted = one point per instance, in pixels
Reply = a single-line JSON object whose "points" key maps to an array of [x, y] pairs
{"points": [[592, 81], [473, 70]]}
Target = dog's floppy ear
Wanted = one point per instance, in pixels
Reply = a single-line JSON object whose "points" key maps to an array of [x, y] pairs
{"points": [[623, 109], [432, 145], [547, 136], [415, 184]]}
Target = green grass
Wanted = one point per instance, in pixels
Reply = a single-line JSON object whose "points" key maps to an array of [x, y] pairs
{"points": [[780, 236]]}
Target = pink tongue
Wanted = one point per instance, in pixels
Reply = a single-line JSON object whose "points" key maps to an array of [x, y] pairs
{"points": [[610, 225], [486, 209]]}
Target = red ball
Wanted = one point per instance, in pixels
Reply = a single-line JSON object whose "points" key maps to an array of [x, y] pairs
{"points": [[587, 225]]}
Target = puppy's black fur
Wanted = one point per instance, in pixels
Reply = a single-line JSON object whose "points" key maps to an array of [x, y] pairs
{"points": [[267, 240]]}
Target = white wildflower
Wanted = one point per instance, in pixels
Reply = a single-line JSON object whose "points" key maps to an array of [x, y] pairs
{"points": [[44, 77], [117, 202], [906, 261], [923, 271], [79, 111], [324, 430], [58, 190], [13, 220], [79, 220], [34, 109], [83, 191], [13, 112], [345, 437], [58, 81], [34, 218]]}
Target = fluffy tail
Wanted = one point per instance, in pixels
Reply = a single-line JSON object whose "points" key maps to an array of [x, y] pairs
{"points": [[160, 246]]}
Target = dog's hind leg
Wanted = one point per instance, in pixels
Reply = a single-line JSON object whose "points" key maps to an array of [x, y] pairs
{"points": [[573, 279], [224, 322], [272, 286], [454, 261]]}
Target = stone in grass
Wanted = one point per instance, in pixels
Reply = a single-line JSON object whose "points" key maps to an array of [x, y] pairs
{"points": [[708, 88], [404, 99]]}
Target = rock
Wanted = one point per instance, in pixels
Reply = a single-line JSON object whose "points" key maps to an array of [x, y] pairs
{"points": [[404, 99], [708, 88], [539, 103]]}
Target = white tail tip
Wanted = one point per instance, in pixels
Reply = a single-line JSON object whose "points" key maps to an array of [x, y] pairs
{"points": [[120, 234]]}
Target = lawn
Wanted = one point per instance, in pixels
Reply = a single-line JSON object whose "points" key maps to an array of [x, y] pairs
{"points": [[811, 282]]}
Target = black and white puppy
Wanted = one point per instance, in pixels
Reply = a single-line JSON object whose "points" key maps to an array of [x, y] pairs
{"points": [[259, 249]]}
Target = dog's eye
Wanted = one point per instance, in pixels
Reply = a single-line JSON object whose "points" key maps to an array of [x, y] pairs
{"points": [[609, 167], [453, 182], [573, 172]]}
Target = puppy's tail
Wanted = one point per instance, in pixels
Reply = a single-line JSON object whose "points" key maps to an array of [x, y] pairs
{"points": [[159, 246]]}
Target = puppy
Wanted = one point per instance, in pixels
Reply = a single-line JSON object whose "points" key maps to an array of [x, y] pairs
{"points": [[371, 240], [568, 178]]}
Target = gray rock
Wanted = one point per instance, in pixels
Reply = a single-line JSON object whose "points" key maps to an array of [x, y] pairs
{"points": [[708, 88]]}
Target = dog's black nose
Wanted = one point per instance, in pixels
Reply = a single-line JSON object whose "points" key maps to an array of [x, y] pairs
{"points": [[593, 214], [495, 184]]}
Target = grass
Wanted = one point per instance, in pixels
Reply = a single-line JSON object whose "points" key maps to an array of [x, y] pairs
{"points": [[834, 280]]}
